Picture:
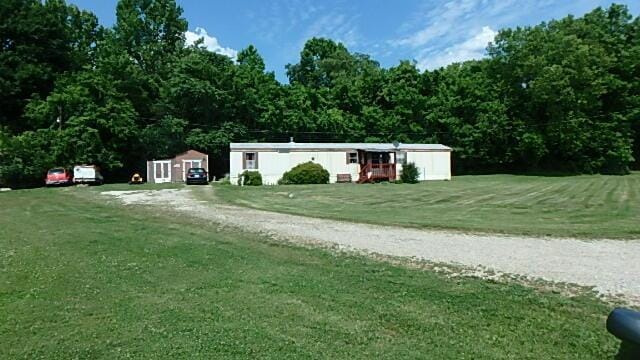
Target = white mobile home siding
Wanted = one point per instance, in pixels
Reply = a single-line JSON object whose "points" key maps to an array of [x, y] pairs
{"points": [[272, 164], [433, 160], [432, 165]]}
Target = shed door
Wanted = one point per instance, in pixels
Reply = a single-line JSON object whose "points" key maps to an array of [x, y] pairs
{"points": [[162, 171], [188, 164]]}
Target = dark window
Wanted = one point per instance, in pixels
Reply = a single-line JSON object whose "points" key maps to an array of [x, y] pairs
{"points": [[56, 171], [352, 157]]}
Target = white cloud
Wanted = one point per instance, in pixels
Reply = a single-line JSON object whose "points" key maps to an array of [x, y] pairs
{"points": [[273, 19], [441, 20], [336, 27], [210, 42], [459, 30], [435, 25], [472, 48]]}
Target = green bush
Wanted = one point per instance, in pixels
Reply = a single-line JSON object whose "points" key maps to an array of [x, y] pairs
{"points": [[24, 158], [409, 174], [250, 178], [306, 173]]}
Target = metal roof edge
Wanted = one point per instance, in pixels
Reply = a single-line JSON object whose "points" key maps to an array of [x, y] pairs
{"points": [[337, 146]]}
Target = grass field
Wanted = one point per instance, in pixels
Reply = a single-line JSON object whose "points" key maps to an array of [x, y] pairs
{"points": [[577, 206], [80, 278]]}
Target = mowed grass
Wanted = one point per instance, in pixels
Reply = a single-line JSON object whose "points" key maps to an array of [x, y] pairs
{"points": [[83, 278], [576, 206]]}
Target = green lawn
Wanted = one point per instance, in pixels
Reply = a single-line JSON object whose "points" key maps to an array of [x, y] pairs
{"points": [[580, 206], [81, 278]]}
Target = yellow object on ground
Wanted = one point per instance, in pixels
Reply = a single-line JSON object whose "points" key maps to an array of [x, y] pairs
{"points": [[136, 179]]}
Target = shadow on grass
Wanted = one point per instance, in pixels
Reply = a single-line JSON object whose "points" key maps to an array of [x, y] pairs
{"points": [[628, 351], [548, 173], [542, 173]]}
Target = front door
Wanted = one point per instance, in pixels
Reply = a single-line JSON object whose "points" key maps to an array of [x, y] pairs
{"points": [[188, 164], [162, 171]]}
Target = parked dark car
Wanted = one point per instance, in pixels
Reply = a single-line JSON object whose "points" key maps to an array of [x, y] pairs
{"points": [[197, 176], [58, 176]]}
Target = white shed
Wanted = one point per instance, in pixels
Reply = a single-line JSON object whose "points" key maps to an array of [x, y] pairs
{"points": [[360, 162]]}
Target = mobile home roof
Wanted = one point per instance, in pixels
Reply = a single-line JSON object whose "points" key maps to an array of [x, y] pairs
{"points": [[337, 147]]}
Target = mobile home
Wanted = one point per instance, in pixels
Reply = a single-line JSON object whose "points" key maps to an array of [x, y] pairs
{"points": [[357, 162]]}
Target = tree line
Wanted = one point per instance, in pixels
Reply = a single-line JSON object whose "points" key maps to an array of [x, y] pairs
{"points": [[561, 96]]}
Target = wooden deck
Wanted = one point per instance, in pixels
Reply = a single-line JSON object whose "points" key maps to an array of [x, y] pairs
{"points": [[372, 172]]}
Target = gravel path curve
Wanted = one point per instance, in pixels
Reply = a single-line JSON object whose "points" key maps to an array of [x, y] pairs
{"points": [[611, 267]]}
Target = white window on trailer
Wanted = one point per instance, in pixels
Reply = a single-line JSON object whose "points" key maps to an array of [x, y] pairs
{"points": [[250, 160], [352, 157]]}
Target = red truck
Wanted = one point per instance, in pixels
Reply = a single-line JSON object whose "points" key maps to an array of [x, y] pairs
{"points": [[58, 176]]}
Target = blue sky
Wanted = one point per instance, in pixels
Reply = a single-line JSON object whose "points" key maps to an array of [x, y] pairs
{"points": [[433, 33]]}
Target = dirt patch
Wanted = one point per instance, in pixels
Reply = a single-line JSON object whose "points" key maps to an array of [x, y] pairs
{"points": [[609, 267]]}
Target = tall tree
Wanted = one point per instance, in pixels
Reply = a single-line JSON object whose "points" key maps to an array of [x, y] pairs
{"points": [[465, 113], [200, 91], [254, 89], [321, 62], [150, 31], [563, 80], [151, 35], [39, 42]]}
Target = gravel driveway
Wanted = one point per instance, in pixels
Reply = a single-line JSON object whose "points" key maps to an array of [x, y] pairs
{"points": [[611, 267]]}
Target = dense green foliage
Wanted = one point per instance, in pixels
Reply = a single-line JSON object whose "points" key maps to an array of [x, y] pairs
{"points": [[410, 173], [103, 281], [250, 178], [587, 206], [559, 96], [305, 173]]}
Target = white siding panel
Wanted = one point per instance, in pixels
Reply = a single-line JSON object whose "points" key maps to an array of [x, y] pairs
{"points": [[433, 165], [272, 165], [421, 159], [441, 166], [235, 166]]}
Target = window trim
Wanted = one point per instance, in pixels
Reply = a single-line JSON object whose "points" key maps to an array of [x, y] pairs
{"points": [[244, 160], [349, 153], [401, 155]]}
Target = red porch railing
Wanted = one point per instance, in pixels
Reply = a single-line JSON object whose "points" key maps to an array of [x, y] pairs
{"points": [[382, 171]]}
